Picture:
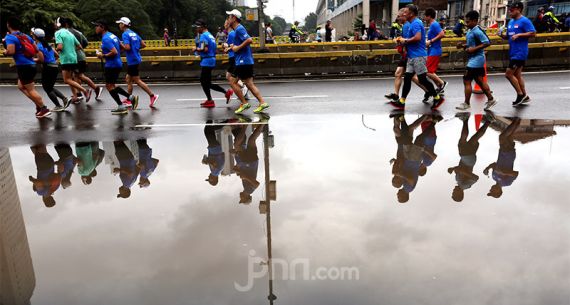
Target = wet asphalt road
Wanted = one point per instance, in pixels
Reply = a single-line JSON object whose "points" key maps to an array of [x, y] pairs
{"points": [[178, 106]]}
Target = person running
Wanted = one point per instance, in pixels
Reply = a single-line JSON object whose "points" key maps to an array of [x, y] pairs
{"points": [[110, 48], [66, 163], [216, 158], [47, 181], [477, 41], [128, 169], [22, 49], [244, 64], [147, 164], [232, 61], [399, 74], [519, 30], [435, 35], [67, 45], [247, 159], [50, 70], [414, 40], [207, 49], [89, 156], [82, 59], [132, 43]]}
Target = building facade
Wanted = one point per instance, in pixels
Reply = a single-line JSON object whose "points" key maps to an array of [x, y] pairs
{"points": [[17, 279]]}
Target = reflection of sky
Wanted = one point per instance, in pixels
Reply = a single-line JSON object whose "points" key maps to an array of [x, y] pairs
{"points": [[182, 241]]}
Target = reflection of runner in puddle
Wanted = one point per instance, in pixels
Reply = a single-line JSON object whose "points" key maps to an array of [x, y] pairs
{"points": [[147, 164], [468, 157], [66, 163], [427, 140], [47, 181], [408, 163], [216, 157], [89, 156], [503, 172], [247, 160], [128, 170]]}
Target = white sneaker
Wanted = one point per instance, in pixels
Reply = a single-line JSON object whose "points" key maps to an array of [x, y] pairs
{"points": [[526, 99], [463, 107], [490, 104]]}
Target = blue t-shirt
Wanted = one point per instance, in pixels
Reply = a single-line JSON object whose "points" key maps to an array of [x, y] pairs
{"points": [[416, 49], [217, 154], [109, 42], [475, 37], [19, 57], [231, 40], [134, 40], [243, 56], [49, 55], [518, 49], [208, 57], [435, 47]]}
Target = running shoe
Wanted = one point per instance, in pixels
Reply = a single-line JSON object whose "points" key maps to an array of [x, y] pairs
{"points": [[427, 99], [120, 110], [75, 100], [153, 100], [98, 92], [464, 116], [463, 107], [489, 117], [526, 99], [442, 88], [88, 95], [135, 102], [242, 108], [58, 109], [229, 94], [437, 102], [43, 112], [208, 104], [66, 103], [490, 104], [399, 104], [127, 103], [261, 108], [518, 101], [392, 96]]}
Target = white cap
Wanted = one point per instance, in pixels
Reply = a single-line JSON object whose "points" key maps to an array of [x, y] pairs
{"points": [[39, 32], [124, 20], [235, 13]]}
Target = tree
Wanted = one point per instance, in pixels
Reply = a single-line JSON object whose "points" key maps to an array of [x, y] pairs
{"points": [[279, 25], [310, 23]]}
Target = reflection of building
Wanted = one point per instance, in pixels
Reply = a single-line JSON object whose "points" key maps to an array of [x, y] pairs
{"points": [[17, 280], [531, 130]]}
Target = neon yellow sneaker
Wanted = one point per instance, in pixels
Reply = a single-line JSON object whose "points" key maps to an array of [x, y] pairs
{"points": [[242, 108], [261, 108]]}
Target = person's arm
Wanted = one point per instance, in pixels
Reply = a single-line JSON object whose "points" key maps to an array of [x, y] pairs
{"points": [[491, 166], [143, 44], [39, 57], [484, 43], [417, 37], [10, 50], [78, 45], [242, 45], [529, 29], [112, 53], [125, 44]]}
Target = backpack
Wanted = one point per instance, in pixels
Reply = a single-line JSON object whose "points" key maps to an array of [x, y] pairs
{"points": [[28, 48]]}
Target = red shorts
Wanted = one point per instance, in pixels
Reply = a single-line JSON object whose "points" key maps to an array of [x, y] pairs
{"points": [[433, 63]]}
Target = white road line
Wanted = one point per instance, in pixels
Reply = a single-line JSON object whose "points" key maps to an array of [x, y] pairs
{"points": [[564, 88], [197, 124], [274, 97]]}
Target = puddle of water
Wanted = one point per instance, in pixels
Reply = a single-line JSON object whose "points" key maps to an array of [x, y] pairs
{"points": [[361, 209]]}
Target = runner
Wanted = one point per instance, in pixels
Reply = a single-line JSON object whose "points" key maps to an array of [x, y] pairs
{"points": [[244, 64], [207, 49], [434, 36], [21, 47], [132, 43], [147, 164], [519, 30], [47, 181], [46, 56], [110, 47], [477, 41], [399, 74], [82, 59], [414, 40], [232, 61], [67, 45]]}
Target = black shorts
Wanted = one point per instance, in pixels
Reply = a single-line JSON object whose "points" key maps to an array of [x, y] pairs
{"points": [[26, 73], [133, 70], [514, 64], [403, 63], [244, 72], [112, 75], [232, 65], [473, 73], [81, 67], [69, 67]]}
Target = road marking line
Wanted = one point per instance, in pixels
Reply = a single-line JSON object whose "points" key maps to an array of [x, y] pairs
{"points": [[276, 97], [198, 124], [564, 88]]}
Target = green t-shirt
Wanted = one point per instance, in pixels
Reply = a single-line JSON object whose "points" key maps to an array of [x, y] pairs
{"points": [[87, 163], [68, 54]]}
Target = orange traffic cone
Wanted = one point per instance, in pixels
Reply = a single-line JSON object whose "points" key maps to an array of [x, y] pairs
{"points": [[478, 118], [476, 88]]}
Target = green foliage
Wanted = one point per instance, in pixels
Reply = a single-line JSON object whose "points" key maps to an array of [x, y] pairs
{"points": [[310, 23], [358, 22]]}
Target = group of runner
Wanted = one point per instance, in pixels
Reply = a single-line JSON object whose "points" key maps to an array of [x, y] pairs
{"points": [[421, 57]]}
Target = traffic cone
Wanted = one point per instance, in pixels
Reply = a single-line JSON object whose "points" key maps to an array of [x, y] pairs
{"points": [[478, 118], [477, 89]]}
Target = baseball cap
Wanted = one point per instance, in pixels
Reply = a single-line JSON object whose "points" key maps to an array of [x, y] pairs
{"points": [[39, 32], [235, 13], [124, 20], [200, 23], [516, 4]]}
